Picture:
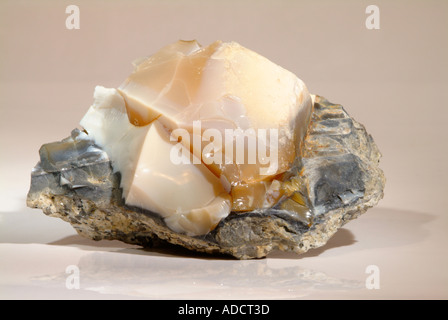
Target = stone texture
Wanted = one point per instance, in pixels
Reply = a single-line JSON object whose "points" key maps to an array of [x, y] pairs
{"points": [[336, 180]]}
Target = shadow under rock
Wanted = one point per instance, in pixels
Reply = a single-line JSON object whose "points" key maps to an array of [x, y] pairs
{"points": [[389, 228], [377, 228], [89, 244], [165, 249], [380, 227], [343, 237]]}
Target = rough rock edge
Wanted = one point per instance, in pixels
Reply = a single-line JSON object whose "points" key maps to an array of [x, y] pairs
{"points": [[265, 230]]}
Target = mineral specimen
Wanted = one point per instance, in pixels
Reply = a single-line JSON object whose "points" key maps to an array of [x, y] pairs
{"points": [[214, 148]]}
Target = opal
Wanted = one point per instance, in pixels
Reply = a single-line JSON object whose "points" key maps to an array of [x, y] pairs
{"points": [[201, 103], [216, 149]]}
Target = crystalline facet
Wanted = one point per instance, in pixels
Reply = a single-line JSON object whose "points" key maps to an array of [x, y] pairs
{"points": [[220, 96]]}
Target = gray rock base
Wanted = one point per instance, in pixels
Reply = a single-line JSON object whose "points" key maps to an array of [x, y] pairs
{"points": [[336, 180]]}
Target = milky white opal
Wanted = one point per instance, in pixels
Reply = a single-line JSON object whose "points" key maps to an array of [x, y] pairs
{"points": [[188, 194], [190, 198], [224, 86], [107, 123]]}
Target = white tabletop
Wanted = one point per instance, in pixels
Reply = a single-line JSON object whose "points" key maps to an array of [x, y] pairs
{"points": [[392, 80]]}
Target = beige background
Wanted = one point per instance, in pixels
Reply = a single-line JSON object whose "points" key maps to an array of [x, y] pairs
{"points": [[393, 80]]}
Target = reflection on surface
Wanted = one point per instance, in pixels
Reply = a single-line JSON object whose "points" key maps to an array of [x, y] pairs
{"points": [[173, 272], [150, 276], [112, 268]]}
